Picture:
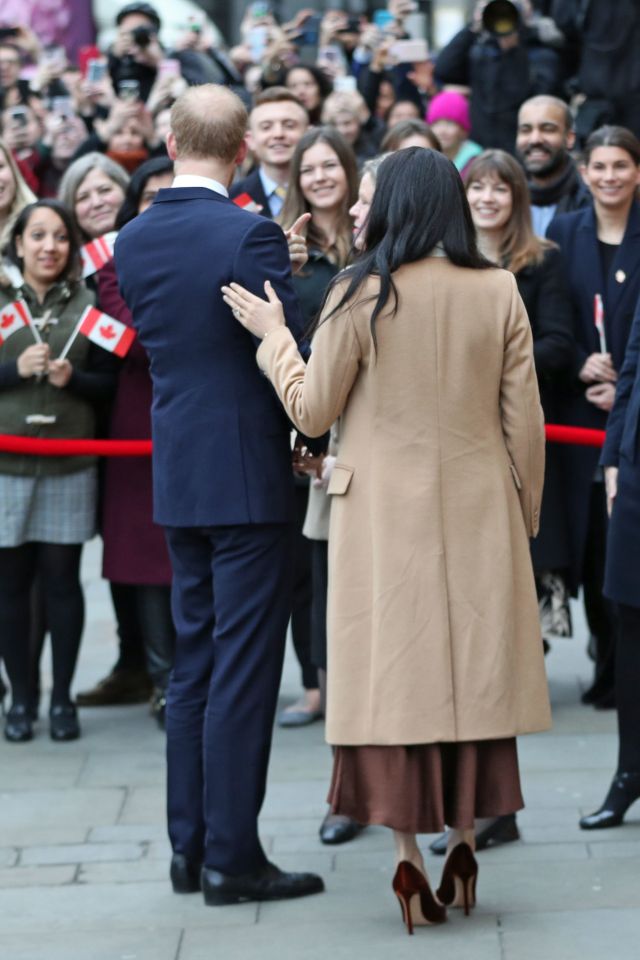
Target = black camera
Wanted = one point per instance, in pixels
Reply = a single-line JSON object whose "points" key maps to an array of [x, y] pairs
{"points": [[501, 17], [142, 36]]}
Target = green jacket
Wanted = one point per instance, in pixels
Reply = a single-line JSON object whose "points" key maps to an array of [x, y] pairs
{"points": [[21, 398]]}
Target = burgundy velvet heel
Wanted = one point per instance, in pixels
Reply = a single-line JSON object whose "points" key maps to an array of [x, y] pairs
{"points": [[409, 882], [458, 884]]}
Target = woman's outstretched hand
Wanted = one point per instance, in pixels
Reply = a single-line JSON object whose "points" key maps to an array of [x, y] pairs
{"points": [[259, 316]]}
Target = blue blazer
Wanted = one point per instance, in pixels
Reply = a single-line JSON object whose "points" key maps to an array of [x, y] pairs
{"points": [[221, 439]]}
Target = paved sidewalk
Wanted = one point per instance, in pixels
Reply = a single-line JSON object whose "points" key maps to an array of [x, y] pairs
{"points": [[83, 854]]}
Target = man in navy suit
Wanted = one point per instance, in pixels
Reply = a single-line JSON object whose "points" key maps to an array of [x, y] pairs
{"points": [[276, 124], [223, 492]]}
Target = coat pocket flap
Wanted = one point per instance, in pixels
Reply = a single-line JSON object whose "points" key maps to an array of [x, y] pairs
{"points": [[516, 478], [339, 480]]}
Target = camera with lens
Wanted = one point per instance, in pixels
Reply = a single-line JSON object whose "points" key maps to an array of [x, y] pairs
{"points": [[501, 18], [142, 36]]}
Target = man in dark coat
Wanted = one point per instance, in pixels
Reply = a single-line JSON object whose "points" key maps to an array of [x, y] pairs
{"points": [[545, 137], [502, 71], [223, 491], [608, 35]]}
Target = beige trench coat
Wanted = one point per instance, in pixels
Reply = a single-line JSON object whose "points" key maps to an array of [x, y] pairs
{"points": [[433, 631]]}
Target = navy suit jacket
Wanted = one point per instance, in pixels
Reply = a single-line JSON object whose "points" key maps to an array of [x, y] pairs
{"points": [[221, 439]]}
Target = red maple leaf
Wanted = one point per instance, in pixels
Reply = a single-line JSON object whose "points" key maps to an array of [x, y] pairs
{"points": [[7, 320], [107, 332]]}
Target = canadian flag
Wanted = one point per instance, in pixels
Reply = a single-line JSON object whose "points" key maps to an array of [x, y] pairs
{"points": [[14, 318], [97, 253], [247, 203], [106, 332]]}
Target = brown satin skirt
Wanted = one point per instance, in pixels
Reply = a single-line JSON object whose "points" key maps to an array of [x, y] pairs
{"points": [[425, 787]]}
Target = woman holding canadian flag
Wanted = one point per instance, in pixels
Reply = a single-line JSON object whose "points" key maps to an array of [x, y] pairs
{"points": [[51, 377]]}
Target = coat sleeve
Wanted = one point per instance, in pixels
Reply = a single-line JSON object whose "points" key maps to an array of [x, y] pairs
{"points": [[628, 376], [314, 395], [264, 255], [554, 344], [522, 418]]}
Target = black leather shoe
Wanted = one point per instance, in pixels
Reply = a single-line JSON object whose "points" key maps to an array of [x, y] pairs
{"points": [[185, 875], [624, 791], [18, 727], [63, 722], [336, 829], [497, 831], [269, 883]]}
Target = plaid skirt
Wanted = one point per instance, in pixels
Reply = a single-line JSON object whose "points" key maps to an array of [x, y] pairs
{"points": [[49, 509]]}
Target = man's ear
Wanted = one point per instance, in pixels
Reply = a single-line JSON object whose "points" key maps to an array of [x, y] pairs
{"points": [[243, 149], [571, 139], [171, 145], [248, 139]]}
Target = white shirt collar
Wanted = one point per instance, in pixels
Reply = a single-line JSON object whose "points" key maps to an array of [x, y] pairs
{"points": [[268, 184], [192, 180]]}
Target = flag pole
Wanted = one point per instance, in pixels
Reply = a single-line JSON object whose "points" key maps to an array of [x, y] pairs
{"points": [[23, 309], [598, 319], [74, 334]]}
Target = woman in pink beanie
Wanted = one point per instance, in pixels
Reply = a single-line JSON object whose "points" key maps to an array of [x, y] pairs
{"points": [[448, 116]]}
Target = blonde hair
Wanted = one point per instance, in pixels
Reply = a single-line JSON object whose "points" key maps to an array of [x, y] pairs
{"points": [[24, 196], [208, 122], [345, 101]]}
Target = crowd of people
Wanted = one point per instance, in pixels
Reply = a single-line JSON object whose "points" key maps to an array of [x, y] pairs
{"points": [[372, 190]]}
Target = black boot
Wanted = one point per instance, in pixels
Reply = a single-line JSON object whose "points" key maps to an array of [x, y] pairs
{"points": [[624, 791]]}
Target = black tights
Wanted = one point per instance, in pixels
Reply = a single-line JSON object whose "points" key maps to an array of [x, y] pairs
{"points": [[628, 688], [58, 568]]}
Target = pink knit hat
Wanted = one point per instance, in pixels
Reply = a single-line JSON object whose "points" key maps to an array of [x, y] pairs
{"points": [[450, 106]]}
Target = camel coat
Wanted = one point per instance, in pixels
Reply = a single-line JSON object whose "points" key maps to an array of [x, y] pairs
{"points": [[433, 631]]}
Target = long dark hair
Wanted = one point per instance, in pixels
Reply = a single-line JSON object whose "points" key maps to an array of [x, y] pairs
{"points": [[135, 189], [72, 269], [419, 202]]}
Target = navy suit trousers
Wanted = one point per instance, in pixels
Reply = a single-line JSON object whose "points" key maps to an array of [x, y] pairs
{"points": [[231, 603]]}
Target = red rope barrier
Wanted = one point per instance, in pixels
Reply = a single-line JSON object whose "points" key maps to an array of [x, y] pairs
{"points": [[581, 436], [42, 447]]}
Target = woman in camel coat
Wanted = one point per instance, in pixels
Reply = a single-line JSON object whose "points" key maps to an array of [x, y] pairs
{"points": [[435, 657]]}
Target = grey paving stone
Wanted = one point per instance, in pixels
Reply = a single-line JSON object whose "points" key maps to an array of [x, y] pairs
{"points": [[125, 768], [8, 856], [100, 907], [292, 827], [304, 798], [526, 888], [41, 767], [574, 935], [37, 877], [112, 944], [159, 850], [606, 849], [80, 853], [127, 832], [136, 871], [564, 752], [144, 805], [380, 937], [29, 816]]}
